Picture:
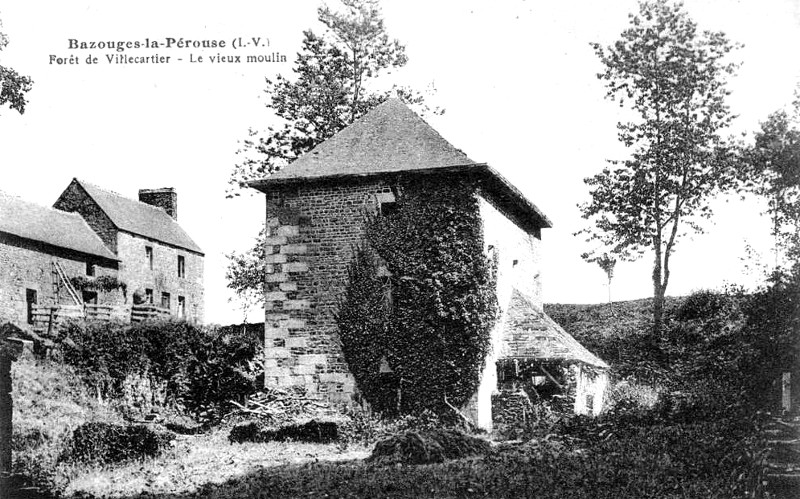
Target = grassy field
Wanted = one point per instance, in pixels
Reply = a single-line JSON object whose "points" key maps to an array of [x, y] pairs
{"points": [[198, 463], [638, 463]]}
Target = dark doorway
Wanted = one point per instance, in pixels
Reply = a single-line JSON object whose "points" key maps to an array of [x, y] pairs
{"points": [[31, 299], [89, 297]]}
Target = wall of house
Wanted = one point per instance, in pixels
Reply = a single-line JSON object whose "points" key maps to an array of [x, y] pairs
{"points": [[311, 232], [590, 388], [26, 264], [135, 271], [518, 257], [75, 199]]}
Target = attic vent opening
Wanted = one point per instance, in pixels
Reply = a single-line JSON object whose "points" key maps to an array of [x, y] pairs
{"points": [[386, 203], [388, 208]]}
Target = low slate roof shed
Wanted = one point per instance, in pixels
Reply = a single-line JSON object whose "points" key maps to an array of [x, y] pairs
{"points": [[50, 226], [529, 333]]}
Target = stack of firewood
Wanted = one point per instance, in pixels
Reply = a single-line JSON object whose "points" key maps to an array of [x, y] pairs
{"points": [[281, 405]]}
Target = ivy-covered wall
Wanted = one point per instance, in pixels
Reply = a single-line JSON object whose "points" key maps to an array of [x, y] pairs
{"points": [[314, 231], [430, 318]]}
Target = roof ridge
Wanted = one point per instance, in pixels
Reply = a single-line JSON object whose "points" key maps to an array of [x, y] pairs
{"points": [[114, 193], [130, 215]]}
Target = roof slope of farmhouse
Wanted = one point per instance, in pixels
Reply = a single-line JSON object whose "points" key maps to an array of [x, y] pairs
{"points": [[47, 225], [391, 138], [529, 333], [140, 218]]}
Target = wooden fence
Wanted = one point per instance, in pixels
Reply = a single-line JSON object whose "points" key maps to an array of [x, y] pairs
{"points": [[47, 318], [147, 312]]}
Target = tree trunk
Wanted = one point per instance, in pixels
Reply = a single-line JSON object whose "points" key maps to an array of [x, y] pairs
{"points": [[658, 295], [658, 309]]}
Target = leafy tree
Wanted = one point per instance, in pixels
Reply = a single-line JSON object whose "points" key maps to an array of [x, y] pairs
{"points": [[329, 90], [672, 78], [606, 263], [13, 86], [774, 173]]}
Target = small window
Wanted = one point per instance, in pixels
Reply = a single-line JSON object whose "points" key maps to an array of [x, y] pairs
{"points": [[181, 266], [165, 300], [90, 269], [388, 208], [148, 251], [148, 296], [31, 299], [181, 307]]}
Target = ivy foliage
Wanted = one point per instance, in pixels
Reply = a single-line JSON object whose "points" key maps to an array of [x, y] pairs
{"points": [[433, 324], [105, 283]]}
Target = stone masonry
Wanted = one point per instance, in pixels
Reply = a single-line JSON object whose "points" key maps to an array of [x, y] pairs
{"points": [[26, 264], [75, 199], [163, 277], [311, 233], [165, 198]]}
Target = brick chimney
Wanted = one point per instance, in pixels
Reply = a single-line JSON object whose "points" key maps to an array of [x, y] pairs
{"points": [[165, 198]]}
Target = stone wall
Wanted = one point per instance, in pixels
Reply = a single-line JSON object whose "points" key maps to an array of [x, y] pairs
{"points": [[518, 257], [75, 199], [26, 264], [135, 271], [311, 232], [165, 198]]}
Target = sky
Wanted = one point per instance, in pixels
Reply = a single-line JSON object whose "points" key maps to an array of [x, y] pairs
{"points": [[517, 80]]}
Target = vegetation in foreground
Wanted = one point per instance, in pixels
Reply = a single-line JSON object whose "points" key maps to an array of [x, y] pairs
{"points": [[651, 442]]}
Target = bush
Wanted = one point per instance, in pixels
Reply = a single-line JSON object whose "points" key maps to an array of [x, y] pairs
{"points": [[164, 363], [312, 431], [110, 443], [362, 427], [630, 395], [433, 446]]}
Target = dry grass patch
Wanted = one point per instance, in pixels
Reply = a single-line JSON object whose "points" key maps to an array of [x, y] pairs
{"points": [[197, 462], [50, 401]]}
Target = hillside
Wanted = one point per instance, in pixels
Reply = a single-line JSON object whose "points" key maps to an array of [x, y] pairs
{"points": [[616, 332]]}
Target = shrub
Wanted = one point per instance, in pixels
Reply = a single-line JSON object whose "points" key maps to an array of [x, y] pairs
{"points": [[312, 431], [433, 446], [360, 426], [773, 333], [110, 443], [628, 395], [246, 432], [169, 363]]}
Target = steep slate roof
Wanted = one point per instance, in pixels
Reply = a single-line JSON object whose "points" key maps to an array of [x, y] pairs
{"points": [[529, 333], [50, 226], [140, 218], [391, 138]]}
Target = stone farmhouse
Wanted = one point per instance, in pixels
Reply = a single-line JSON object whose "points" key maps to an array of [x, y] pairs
{"points": [[315, 216], [97, 254]]}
